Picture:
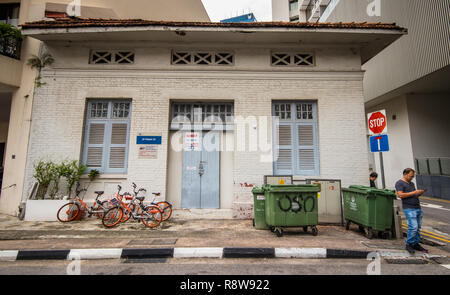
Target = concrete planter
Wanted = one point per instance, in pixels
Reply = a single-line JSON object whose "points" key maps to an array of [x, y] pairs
{"points": [[43, 210]]}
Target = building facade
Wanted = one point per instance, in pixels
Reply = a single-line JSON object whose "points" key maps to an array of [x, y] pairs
{"points": [[17, 79], [219, 105]]}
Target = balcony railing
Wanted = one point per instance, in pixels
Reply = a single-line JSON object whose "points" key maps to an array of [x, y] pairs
{"points": [[10, 47]]}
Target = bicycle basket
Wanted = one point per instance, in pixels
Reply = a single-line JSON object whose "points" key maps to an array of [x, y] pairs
{"points": [[114, 201]]}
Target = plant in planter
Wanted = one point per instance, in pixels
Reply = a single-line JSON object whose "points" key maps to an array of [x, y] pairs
{"points": [[72, 172], [10, 40], [57, 172], [44, 174]]}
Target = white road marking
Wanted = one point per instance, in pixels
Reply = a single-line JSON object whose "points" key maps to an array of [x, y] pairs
{"points": [[8, 255], [432, 206], [198, 252], [300, 252], [447, 266]]}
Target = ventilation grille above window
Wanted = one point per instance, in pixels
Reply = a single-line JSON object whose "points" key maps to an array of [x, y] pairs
{"points": [[111, 57], [292, 59], [210, 58]]}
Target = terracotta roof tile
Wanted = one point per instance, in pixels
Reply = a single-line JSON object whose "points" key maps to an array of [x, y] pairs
{"points": [[67, 22]]}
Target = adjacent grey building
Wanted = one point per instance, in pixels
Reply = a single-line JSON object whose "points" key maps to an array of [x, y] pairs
{"points": [[409, 78]]}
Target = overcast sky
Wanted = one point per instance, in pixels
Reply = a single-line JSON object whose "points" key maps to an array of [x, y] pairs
{"points": [[222, 9]]}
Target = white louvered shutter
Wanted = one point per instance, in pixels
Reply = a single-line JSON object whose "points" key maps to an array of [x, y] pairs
{"points": [[96, 141], [118, 145], [306, 149], [284, 161]]}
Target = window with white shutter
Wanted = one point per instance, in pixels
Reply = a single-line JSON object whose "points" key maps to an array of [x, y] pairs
{"points": [[107, 136], [295, 139]]}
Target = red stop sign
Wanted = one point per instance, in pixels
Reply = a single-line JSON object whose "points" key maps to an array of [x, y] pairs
{"points": [[377, 122]]}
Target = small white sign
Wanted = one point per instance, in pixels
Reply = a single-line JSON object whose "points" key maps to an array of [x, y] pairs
{"points": [[191, 141]]}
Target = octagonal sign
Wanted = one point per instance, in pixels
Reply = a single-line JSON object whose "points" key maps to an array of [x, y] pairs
{"points": [[377, 122]]}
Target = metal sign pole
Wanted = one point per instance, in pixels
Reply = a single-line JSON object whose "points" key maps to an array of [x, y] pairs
{"points": [[383, 182]]}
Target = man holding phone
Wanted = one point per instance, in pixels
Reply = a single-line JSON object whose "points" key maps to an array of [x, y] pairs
{"points": [[406, 191]]}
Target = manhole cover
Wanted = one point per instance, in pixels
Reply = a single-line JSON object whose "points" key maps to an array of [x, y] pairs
{"points": [[406, 261]]}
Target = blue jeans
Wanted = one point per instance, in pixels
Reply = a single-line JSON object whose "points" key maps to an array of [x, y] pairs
{"points": [[414, 218]]}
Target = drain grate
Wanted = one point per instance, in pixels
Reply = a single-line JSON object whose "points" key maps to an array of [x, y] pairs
{"points": [[147, 242], [406, 261]]}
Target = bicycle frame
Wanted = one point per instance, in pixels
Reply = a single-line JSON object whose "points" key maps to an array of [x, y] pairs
{"points": [[92, 209]]}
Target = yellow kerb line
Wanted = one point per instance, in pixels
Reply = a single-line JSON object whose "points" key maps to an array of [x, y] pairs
{"points": [[425, 233], [405, 225]]}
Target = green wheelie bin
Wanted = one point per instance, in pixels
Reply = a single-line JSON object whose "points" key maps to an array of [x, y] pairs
{"points": [[291, 206], [259, 208], [371, 209]]}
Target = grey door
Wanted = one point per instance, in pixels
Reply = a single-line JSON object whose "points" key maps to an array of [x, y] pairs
{"points": [[201, 178]]}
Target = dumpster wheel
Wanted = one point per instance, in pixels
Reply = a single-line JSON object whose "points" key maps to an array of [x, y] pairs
{"points": [[305, 229], [314, 231], [278, 231], [347, 224], [369, 233]]}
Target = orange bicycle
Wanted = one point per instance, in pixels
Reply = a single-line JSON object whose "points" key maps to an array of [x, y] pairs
{"points": [[75, 209], [151, 215], [165, 206]]}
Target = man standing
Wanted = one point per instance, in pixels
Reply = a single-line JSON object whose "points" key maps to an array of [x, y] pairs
{"points": [[373, 177], [407, 192]]}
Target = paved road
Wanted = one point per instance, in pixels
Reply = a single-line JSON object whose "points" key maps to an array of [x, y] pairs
{"points": [[219, 267], [436, 221]]}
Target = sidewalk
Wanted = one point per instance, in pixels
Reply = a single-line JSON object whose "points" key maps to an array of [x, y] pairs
{"points": [[182, 233]]}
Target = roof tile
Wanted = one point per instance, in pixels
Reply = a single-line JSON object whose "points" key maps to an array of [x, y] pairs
{"points": [[68, 22]]}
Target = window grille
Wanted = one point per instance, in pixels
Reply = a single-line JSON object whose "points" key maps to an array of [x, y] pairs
{"points": [[207, 58], [292, 59], [112, 57]]}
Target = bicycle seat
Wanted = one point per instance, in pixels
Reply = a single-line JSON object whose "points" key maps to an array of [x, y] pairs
{"points": [[140, 198], [99, 192], [157, 194], [129, 198]]}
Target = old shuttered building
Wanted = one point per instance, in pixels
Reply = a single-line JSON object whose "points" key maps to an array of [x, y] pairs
{"points": [[225, 103]]}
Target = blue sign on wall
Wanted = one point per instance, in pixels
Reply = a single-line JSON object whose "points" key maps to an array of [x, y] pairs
{"points": [[149, 140], [379, 143]]}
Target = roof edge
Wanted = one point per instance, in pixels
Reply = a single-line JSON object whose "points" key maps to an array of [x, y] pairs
{"points": [[90, 22]]}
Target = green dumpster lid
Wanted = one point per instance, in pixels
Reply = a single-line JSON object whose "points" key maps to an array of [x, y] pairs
{"points": [[303, 188], [370, 190], [257, 190]]}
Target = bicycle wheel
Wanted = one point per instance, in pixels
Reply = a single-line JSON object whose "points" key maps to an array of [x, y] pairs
{"points": [[68, 212], [152, 216], [166, 208], [112, 217], [126, 215], [103, 208]]}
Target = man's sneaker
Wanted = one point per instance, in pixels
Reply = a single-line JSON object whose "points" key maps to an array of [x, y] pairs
{"points": [[418, 247], [410, 249]]}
